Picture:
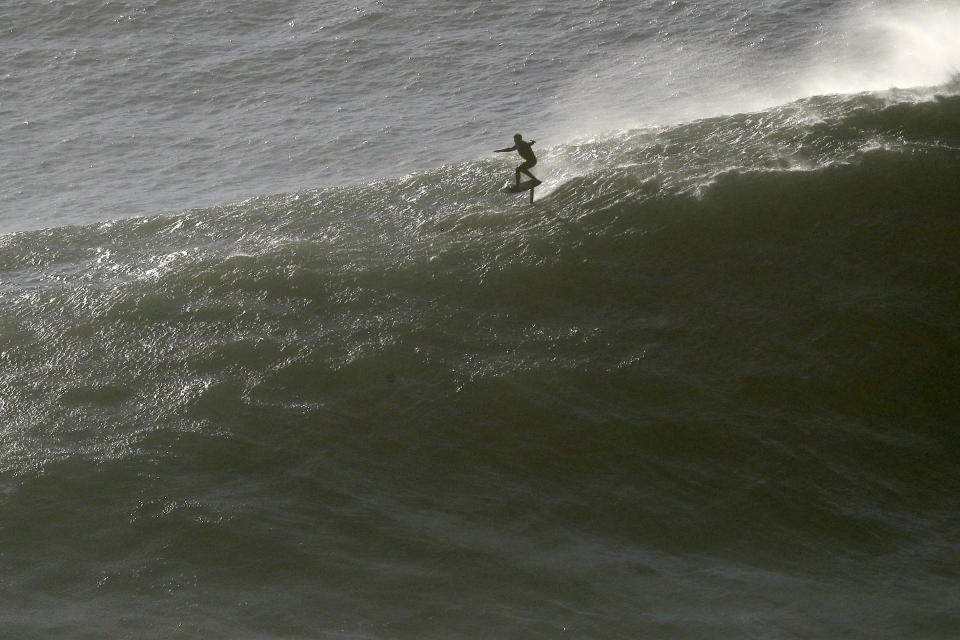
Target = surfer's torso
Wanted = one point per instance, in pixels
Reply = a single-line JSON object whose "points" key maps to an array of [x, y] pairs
{"points": [[525, 150]]}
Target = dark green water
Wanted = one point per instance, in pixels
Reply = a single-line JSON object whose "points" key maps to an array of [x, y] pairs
{"points": [[705, 387]]}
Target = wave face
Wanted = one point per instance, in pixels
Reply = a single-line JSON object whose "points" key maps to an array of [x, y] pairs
{"points": [[705, 386]]}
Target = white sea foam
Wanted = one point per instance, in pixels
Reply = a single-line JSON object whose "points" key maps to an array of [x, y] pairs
{"points": [[753, 60], [883, 46]]}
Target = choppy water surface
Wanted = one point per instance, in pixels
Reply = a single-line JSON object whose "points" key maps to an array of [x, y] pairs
{"points": [[704, 387]]}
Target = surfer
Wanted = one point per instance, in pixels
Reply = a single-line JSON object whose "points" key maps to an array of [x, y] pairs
{"points": [[523, 148]]}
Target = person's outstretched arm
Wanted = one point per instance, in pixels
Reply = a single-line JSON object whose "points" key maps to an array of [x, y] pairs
{"points": [[513, 148]]}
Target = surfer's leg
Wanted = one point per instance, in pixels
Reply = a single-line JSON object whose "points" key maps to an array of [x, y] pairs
{"points": [[525, 168]]}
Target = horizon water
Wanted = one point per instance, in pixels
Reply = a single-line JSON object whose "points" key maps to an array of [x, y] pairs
{"points": [[279, 360]]}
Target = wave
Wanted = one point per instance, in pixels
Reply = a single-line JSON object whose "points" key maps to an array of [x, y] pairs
{"points": [[758, 254], [730, 343]]}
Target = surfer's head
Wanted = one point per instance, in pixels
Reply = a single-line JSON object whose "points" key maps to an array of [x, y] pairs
{"points": [[517, 137]]}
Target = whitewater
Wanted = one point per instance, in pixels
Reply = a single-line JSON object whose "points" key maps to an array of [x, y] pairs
{"points": [[279, 360]]}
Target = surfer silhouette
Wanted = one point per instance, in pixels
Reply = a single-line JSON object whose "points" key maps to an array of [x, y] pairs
{"points": [[524, 149]]}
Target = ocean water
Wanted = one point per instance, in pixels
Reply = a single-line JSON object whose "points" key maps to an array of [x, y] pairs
{"points": [[278, 359]]}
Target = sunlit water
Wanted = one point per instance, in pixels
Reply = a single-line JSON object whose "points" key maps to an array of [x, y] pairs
{"points": [[280, 361]]}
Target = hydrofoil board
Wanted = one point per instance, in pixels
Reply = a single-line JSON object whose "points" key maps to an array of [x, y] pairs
{"points": [[526, 185]]}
